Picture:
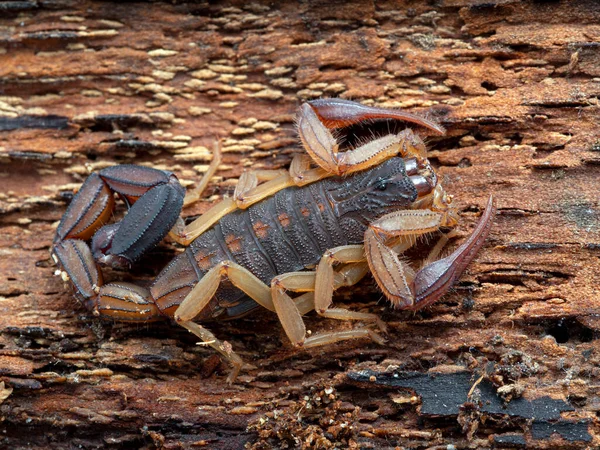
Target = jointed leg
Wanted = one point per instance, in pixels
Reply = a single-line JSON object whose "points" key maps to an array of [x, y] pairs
{"points": [[223, 347], [183, 234], [193, 195], [205, 289], [303, 174], [290, 310], [434, 253], [247, 192], [403, 287], [200, 296]]}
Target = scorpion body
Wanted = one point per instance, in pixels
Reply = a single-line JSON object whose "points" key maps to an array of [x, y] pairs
{"points": [[309, 230], [288, 232]]}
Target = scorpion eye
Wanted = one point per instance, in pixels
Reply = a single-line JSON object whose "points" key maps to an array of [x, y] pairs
{"points": [[381, 185]]}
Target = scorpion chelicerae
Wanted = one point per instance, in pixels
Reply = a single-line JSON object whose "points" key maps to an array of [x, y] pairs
{"points": [[324, 223]]}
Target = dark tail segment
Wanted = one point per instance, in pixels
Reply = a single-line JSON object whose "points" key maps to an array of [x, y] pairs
{"points": [[155, 198]]}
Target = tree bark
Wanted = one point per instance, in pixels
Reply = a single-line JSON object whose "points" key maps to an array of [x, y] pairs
{"points": [[508, 359]]}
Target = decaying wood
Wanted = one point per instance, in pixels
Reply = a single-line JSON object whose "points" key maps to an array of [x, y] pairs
{"points": [[513, 350]]}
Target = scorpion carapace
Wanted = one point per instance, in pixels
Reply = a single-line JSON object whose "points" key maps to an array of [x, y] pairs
{"points": [[307, 230]]}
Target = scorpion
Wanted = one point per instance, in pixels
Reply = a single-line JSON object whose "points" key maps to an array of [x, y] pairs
{"points": [[324, 223]]}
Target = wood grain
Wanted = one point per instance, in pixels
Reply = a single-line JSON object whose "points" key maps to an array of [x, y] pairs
{"points": [[84, 85]]}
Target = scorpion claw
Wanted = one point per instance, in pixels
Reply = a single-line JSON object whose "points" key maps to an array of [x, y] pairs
{"points": [[435, 279], [339, 113]]}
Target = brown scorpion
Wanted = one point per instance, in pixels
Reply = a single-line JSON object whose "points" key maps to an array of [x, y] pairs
{"points": [[326, 222]]}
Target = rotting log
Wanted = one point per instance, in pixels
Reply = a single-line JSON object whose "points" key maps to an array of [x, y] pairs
{"points": [[512, 350]]}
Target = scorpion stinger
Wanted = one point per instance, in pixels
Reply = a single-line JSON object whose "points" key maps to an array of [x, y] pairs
{"points": [[155, 196]]}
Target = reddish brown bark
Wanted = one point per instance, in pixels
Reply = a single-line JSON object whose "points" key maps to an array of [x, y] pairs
{"points": [[86, 84]]}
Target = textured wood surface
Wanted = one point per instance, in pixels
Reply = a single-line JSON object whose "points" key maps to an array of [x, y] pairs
{"points": [[87, 84]]}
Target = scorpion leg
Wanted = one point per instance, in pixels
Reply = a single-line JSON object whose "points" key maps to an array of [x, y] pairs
{"points": [[404, 288], [202, 293], [302, 173], [205, 289], [322, 146], [247, 192], [223, 347], [194, 195], [290, 310], [180, 232], [205, 221], [346, 275]]}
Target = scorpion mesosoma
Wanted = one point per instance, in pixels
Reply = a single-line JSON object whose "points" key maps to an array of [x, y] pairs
{"points": [[342, 214]]}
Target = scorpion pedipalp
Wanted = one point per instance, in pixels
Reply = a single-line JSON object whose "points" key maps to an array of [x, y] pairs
{"points": [[323, 147], [434, 280], [402, 286], [339, 113]]}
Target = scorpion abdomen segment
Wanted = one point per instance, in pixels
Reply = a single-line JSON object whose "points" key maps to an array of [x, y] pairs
{"points": [[126, 302], [292, 210], [239, 239], [90, 208], [132, 181], [174, 282], [148, 221], [79, 266]]}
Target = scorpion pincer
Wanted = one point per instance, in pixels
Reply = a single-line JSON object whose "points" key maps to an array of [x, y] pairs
{"points": [[326, 222]]}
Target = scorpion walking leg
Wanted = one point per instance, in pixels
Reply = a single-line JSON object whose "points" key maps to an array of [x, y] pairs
{"points": [[303, 174], [290, 310], [404, 288], [322, 146], [205, 289], [193, 195], [247, 192], [203, 292], [346, 275], [223, 347], [183, 234]]}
